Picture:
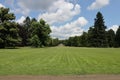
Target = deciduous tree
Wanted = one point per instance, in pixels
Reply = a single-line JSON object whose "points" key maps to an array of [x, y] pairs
{"points": [[8, 29], [117, 38]]}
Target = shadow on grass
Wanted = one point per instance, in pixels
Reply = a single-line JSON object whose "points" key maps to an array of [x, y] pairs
{"points": [[11, 48]]}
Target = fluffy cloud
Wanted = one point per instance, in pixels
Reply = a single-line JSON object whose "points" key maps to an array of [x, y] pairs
{"points": [[114, 28], [35, 5], [70, 29], [1, 5], [98, 4], [54, 11], [60, 11], [25, 6], [21, 20]]}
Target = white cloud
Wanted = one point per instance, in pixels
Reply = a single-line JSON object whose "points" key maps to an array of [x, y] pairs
{"points": [[35, 5], [54, 11], [70, 29], [114, 28], [20, 21], [98, 4], [1, 5], [60, 11], [25, 6]]}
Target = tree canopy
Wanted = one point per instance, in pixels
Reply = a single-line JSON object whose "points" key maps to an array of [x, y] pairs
{"points": [[30, 33], [8, 29], [97, 36], [37, 33], [117, 38]]}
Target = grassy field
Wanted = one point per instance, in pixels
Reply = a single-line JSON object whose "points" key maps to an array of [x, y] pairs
{"points": [[59, 61]]}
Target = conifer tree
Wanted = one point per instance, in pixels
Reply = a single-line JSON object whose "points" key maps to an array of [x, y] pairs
{"points": [[98, 33]]}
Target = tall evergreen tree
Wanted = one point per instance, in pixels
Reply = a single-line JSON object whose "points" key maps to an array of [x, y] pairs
{"points": [[117, 38], [98, 34], [26, 27], [22, 33]]}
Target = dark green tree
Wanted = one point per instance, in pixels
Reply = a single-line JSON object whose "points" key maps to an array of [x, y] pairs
{"points": [[73, 41], [35, 42], [111, 38], [90, 37], [2, 37], [42, 30], [45, 33], [5, 15], [70, 41], [84, 39], [8, 29], [76, 41], [98, 33], [54, 42], [22, 34], [117, 38], [26, 26]]}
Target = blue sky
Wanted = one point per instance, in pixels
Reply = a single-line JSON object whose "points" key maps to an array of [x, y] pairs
{"points": [[66, 17]]}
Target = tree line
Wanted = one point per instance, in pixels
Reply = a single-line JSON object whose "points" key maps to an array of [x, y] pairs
{"points": [[97, 36], [31, 33], [37, 33]]}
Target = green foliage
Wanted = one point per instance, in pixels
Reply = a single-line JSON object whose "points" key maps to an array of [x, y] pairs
{"points": [[1, 43], [90, 37], [117, 38], [8, 29], [111, 38], [95, 37], [42, 30], [22, 33], [5, 15], [26, 31], [84, 39], [70, 41], [97, 34], [76, 41], [12, 34], [31, 28], [73, 41], [2, 31], [59, 61], [54, 42], [35, 42]]}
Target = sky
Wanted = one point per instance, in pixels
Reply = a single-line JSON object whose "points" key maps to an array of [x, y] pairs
{"points": [[66, 18]]}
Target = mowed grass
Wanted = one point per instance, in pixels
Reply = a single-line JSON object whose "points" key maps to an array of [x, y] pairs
{"points": [[59, 61]]}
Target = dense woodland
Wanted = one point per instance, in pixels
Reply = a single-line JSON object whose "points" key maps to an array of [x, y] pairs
{"points": [[37, 33]]}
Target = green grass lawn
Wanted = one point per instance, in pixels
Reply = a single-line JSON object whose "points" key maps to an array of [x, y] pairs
{"points": [[59, 61]]}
